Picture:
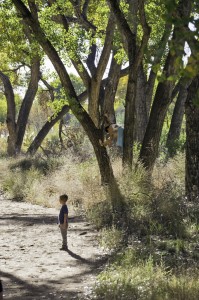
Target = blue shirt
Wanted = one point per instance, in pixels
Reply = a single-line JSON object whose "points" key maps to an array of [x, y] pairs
{"points": [[63, 210]]}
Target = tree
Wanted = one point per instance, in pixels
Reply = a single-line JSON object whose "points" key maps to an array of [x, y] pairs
{"points": [[162, 99], [31, 20], [192, 145], [17, 129], [18, 54]]}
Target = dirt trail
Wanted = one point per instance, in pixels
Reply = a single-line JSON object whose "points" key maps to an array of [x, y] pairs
{"points": [[31, 264]]}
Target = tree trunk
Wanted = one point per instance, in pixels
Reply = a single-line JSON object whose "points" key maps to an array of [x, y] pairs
{"points": [[11, 114], [192, 144], [150, 145], [111, 89], [141, 110], [45, 130], [176, 122], [129, 121], [95, 85], [27, 102]]}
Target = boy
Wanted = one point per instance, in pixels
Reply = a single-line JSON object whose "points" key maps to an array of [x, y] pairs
{"points": [[63, 220]]}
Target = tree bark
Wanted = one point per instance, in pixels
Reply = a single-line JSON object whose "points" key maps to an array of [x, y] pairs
{"points": [[192, 144], [11, 114], [27, 102], [111, 89], [176, 122], [141, 109]]}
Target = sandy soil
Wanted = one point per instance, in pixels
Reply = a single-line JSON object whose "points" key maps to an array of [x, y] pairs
{"points": [[31, 263]]}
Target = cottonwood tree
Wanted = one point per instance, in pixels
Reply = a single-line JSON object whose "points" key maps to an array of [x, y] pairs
{"points": [[16, 126], [89, 121], [19, 69]]}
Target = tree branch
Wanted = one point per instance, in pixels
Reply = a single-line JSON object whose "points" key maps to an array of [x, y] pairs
{"points": [[45, 129], [77, 63], [124, 28], [104, 58], [82, 17]]}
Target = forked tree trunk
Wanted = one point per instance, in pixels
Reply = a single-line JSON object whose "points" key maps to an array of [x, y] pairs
{"points": [[192, 142]]}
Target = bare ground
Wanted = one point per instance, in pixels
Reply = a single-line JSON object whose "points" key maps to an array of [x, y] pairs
{"points": [[31, 264]]}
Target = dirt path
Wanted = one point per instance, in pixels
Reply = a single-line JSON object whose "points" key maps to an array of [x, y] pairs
{"points": [[31, 264]]}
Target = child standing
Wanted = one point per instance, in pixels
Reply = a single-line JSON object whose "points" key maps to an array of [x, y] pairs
{"points": [[63, 220]]}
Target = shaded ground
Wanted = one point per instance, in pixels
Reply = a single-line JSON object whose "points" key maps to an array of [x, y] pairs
{"points": [[31, 264]]}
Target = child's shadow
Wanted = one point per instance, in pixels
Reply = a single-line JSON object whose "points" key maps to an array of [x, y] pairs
{"points": [[78, 257], [96, 263]]}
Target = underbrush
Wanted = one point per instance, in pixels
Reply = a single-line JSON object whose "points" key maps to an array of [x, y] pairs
{"points": [[161, 261], [131, 278], [40, 180]]}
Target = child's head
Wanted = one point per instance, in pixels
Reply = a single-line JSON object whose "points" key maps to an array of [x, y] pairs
{"points": [[63, 198]]}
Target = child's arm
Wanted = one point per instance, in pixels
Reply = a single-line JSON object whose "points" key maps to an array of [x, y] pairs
{"points": [[66, 221]]}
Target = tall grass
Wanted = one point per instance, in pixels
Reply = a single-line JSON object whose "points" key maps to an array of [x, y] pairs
{"points": [[130, 278]]}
